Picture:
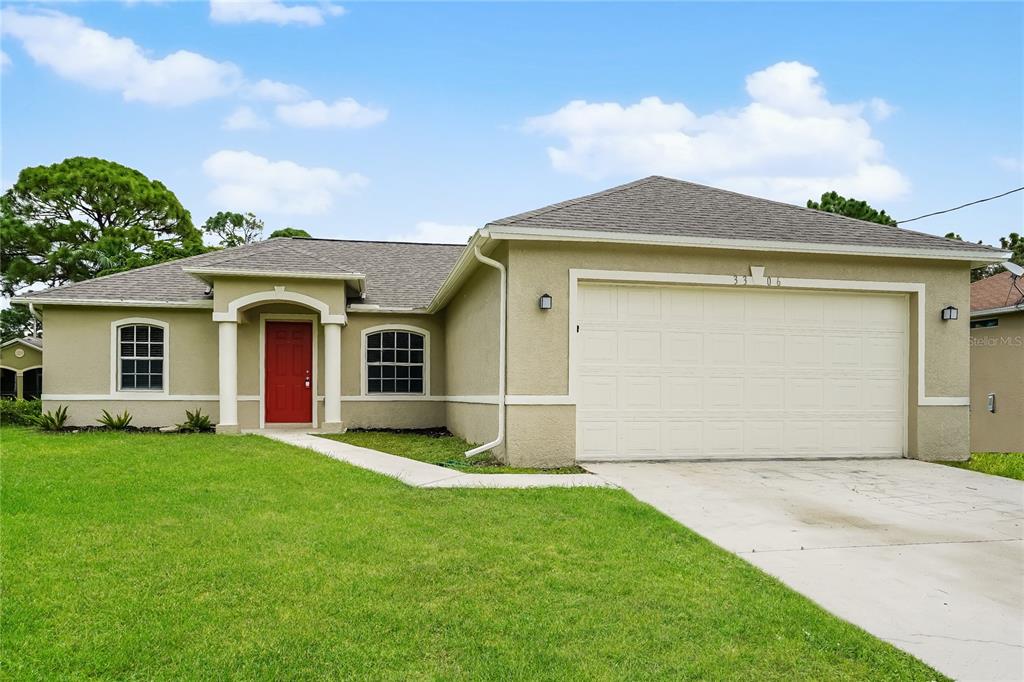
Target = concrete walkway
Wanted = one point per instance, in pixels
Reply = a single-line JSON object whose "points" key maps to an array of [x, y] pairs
{"points": [[927, 557], [423, 475]]}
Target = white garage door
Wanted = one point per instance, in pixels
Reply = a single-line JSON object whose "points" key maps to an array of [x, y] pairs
{"points": [[678, 372]]}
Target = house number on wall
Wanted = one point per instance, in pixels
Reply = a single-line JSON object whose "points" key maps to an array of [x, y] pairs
{"points": [[748, 280]]}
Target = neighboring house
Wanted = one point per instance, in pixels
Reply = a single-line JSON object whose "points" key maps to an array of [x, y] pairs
{"points": [[997, 364], [21, 368], [655, 320]]}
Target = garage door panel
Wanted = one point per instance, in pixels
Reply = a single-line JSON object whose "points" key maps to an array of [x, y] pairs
{"points": [[675, 372]]}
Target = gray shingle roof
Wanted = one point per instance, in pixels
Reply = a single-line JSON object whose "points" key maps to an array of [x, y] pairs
{"points": [[397, 273], [664, 206]]}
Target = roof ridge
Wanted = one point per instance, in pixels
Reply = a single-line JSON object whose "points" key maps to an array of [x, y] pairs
{"points": [[525, 215]]}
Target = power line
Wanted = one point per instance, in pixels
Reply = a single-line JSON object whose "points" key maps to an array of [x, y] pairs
{"points": [[957, 208]]}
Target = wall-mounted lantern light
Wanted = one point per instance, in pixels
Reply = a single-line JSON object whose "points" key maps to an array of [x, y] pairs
{"points": [[544, 302], [950, 313]]}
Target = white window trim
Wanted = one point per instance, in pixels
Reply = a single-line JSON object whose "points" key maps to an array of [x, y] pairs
{"points": [[115, 359], [363, 381], [284, 317]]}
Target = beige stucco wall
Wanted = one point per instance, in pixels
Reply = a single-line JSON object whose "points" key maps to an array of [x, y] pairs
{"points": [[396, 414], [538, 340], [997, 366], [33, 357], [472, 331]]}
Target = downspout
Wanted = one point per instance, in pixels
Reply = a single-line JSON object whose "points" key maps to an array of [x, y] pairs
{"points": [[503, 297]]}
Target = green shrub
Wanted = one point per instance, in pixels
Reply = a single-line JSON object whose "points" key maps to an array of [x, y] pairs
{"points": [[195, 422], [116, 422], [54, 420], [20, 412]]}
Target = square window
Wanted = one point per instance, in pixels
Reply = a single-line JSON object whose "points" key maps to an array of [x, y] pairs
{"points": [[415, 386]]}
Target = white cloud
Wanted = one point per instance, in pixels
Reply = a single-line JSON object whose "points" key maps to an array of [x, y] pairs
{"points": [[436, 233], [880, 109], [247, 182], [275, 91], [244, 118], [343, 113], [1009, 163], [790, 142], [98, 60], [272, 12]]}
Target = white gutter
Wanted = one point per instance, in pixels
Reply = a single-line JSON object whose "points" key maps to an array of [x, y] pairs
{"points": [[501, 354]]}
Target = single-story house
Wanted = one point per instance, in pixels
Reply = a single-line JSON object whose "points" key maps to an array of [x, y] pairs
{"points": [[21, 368], [655, 320], [997, 364]]}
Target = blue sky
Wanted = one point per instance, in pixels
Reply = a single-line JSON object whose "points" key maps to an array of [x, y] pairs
{"points": [[421, 121]]}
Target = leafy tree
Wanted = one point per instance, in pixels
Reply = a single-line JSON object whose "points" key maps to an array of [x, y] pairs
{"points": [[291, 232], [16, 322], [851, 208], [1013, 243], [85, 217], [234, 229]]}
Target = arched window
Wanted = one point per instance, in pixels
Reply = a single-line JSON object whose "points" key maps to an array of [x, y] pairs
{"points": [[141, 357], [395, 362]]}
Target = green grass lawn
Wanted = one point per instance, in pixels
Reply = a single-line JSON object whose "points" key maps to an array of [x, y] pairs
{"points": [[448, 451], [153, 556], [1008, 464]]}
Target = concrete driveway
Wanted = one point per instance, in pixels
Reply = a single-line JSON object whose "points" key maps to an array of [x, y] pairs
{"points": [[925, 556]]}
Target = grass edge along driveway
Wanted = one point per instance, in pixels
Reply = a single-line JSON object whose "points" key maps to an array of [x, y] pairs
{"points": [[153, 556], [1006, 464]]}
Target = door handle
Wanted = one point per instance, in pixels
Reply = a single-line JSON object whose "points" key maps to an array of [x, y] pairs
{"points": [[308, 383]]}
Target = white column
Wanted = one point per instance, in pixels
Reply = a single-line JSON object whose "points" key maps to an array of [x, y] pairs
{"points": [[332, 377], [228, 337]]}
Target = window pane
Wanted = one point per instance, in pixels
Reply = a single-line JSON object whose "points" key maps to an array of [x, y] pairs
{"points": [[156, 350], [373, 341], [388, 371], [141, 381], [141, 350], [156, 366], [128, 381], [416, 386], [373, 386], [373, 356], [127, 350], [156, 334], [402, 372], [416, 372], [416, 356], [387, 386], [401, 339], [127, 333], [373, 371], [156, 381], [141, 333], [388, 356], [127, 366], [415, 341], [389, 340], [401, 356], [402, 386]]}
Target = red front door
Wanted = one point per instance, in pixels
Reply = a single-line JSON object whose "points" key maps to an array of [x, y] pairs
{"points": [[288, 384]]}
